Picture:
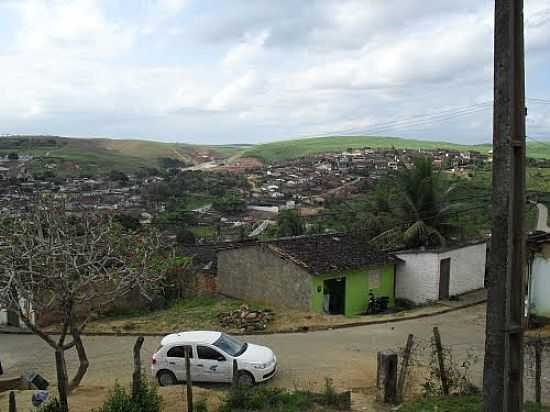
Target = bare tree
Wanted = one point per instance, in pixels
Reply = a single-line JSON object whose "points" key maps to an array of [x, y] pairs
{"points": [[72, 267]]}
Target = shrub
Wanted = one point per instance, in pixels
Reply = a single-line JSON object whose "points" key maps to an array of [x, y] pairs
{"points": [[51, 406], [267, 399], [120, 400], [201, 405]]}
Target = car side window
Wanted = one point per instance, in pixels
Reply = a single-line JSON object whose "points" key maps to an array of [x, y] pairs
{"points": [[179, 352], [204, 352]]}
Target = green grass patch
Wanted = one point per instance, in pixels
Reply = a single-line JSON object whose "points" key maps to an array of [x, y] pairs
{"points": [[204, 231], [198, 312], [271, 399], [456, 404]]}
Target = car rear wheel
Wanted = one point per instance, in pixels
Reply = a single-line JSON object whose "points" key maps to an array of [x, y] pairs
{"points": [[245, 379], [166, 378]]}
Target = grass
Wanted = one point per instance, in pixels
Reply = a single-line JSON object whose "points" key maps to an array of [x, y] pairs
{"points": [[106, 154], [271, 399], [206, 232], [189, 313], [291, 149], [467, 403]]}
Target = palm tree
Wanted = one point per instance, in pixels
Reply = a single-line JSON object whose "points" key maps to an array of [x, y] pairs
{"points": [[420, 207]]}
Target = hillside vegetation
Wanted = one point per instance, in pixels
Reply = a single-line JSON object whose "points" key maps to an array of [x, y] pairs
{"points": [[106, 154], [293, 149]]}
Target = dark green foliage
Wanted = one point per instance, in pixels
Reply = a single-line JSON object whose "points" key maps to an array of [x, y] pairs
{"points": [[120, 399], [129, 222], [230, 203], [13, 156], [267, 399], [51, 406], [201, 405], [290, 223], [184, 236], [118, 176]]}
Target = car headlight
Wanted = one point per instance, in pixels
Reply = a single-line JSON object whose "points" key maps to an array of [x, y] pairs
{"points": [[260, 365]]}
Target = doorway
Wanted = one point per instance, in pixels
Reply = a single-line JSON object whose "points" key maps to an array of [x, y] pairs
{"points": [[335, 289], [13, 318], [444, 278]]}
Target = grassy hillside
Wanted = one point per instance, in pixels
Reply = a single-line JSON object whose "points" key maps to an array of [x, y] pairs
{"points": [[105, 154], [290, 149]]}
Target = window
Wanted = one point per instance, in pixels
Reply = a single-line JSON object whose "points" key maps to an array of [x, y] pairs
{"points": [[231, 345], [179, 352], [205, 352]]}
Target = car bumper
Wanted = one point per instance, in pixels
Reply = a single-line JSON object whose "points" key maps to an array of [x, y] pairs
{"points": [[267, 374]]}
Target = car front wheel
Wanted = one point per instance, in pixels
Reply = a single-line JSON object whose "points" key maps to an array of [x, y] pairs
{"points": [[245, 379], [166, 378]]}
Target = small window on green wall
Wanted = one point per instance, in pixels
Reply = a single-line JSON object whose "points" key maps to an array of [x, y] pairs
{"points": [[374, 278]]}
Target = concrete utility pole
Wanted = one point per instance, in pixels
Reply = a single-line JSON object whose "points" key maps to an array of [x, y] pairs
{"points": [[503, 369]]}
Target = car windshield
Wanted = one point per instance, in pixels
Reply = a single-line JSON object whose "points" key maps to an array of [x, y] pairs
{"points": [[230, 345]]}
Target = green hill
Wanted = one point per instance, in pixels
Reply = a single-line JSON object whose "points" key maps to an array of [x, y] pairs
{"points": [[93, 155], [291, 149]]}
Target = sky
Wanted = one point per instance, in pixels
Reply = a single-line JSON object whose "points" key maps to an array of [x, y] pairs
{"points": [[253, 71]]}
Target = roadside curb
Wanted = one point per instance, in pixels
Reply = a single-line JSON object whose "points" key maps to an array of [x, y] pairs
{"points": [[304, 329]]}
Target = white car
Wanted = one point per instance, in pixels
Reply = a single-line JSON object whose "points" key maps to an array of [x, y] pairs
{"points": [[212, 355]]}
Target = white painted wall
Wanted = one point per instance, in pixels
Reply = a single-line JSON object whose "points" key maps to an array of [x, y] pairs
{"points": [[418, 277], [539, 287], [3, 317], [467, 268]]}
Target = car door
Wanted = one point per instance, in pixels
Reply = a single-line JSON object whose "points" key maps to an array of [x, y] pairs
{"points": [[212, 365], [175, 357]]}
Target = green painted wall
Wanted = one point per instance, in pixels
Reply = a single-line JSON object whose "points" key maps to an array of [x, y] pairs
{"points": [[357, 289]]}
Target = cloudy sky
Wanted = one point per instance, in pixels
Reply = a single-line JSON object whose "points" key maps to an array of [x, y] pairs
{"points": [[235, 71]]}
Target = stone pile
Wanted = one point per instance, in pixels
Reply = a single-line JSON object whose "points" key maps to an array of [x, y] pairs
{"points": [[246, 320]]}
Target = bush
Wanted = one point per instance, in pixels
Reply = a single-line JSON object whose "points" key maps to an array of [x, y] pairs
{"points": [[51, 406], [267, 399], [119, 400], [201, 405]]}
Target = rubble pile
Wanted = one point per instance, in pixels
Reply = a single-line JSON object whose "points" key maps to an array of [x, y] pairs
{"points": [[245, 319]]}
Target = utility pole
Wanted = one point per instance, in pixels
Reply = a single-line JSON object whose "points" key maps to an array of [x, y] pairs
{"points": [[503, 369]]}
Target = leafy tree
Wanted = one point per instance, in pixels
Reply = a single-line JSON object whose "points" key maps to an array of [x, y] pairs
{"points": [[419, 202], [129, 222], [230, 203], [13, 156], [71, 267], [184, 236], [118, 176], [290, 223]]}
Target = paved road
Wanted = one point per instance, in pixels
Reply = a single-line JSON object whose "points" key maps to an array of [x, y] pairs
{"points": [[347, 355]]}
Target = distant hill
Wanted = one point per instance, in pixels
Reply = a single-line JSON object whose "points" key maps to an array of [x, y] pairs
{"points": [[91, 155], [291, 149]]}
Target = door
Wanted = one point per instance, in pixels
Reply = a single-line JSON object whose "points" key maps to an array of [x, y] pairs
{"points": [[336, 290], [13, 318], [444, 278], [175, 358], [212, 365]]}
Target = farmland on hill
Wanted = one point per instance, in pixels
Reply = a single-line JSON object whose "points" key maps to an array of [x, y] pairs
{"points": [[292, 149], [93, 155]]}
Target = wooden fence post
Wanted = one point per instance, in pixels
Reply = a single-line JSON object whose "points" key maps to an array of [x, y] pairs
{"points": [[13, 406], [188, 381], [538, 371], [404, 368], [386, 377], [441, 359], [136, 376], [235, 379]]}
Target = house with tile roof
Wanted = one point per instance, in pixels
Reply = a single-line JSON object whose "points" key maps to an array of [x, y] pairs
{"points": [[331, 273]]}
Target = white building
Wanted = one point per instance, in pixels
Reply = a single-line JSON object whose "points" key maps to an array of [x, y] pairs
{"points": [[539, 275], [12, 318], [436, 274]]}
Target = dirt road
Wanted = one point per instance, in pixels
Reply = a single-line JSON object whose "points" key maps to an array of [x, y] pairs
{"points": [[346, 355]]}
